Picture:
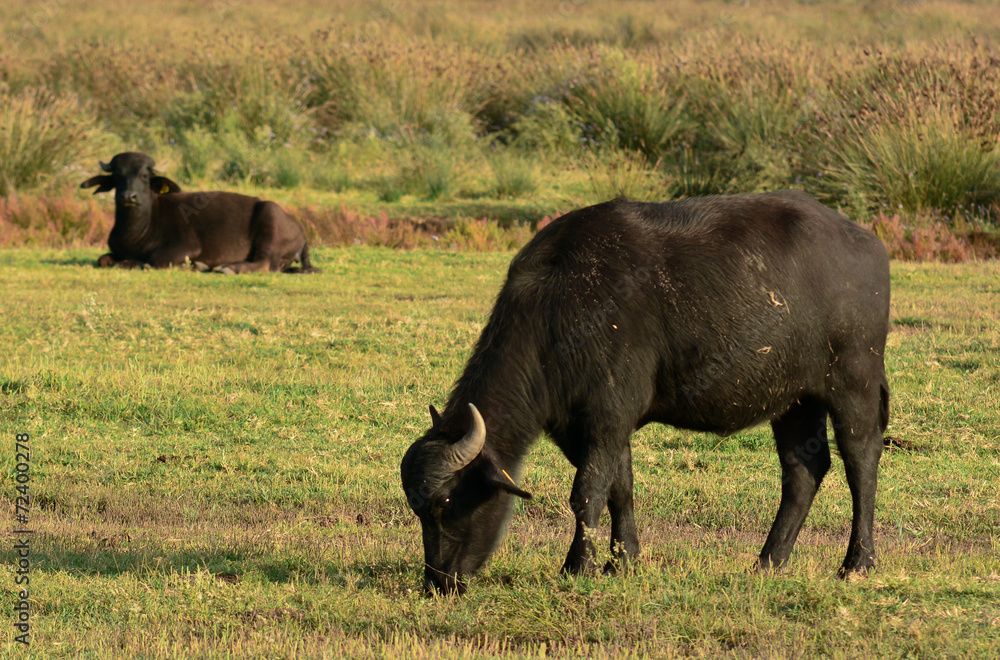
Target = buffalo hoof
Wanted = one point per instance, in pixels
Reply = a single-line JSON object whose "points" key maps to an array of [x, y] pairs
{"points": [[856, 574], [105, 261], [584, 566], [225, 270], [200, 267], [620, 565]]}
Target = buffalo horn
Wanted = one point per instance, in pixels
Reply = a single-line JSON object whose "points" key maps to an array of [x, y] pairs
{"points": [[105, 166], [466, 449]]}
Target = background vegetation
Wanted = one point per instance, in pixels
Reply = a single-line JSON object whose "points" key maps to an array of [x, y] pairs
{"points": [[404, 111], [215, 474]]}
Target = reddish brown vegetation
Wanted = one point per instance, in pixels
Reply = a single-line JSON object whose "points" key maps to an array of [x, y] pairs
{"points": [[934, 241], [67, 221]]}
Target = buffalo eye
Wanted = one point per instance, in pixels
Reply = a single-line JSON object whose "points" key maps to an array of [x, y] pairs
{"points": [[443, 507]]}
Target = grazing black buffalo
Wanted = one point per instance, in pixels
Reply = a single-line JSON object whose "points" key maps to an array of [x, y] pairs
{"points": [[158, 225], [713, 314]]}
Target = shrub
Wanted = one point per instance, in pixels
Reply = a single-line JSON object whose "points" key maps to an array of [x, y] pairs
{"points": [[546, 126], [616, 173], [393, 91], [924, 163], [388, 187], [621, 105], [41, 134], [513, 176]]}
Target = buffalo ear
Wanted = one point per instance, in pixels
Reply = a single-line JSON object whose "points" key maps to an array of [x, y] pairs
{"points": [[103, 181], [512, 489], [503, 481], [435, 418], [162, 185]]}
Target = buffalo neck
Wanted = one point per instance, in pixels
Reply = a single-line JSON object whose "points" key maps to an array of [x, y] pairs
{"points": [[132, 226], [507, 389]]}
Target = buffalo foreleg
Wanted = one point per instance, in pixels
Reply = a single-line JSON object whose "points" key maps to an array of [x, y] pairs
{"points": [[800, 437], [596, 471], [109, 261]]}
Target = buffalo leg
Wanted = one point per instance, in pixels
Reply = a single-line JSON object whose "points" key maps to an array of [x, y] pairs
{"points": [[276, 240], [596, 471], [859, 440], [624, 538], [108, 261], [800, 437], [171, 255]]}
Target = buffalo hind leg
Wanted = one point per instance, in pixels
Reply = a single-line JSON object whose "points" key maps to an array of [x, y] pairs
{"points": [[859, 439], [277, 239], [800, 438], [624, 537]]}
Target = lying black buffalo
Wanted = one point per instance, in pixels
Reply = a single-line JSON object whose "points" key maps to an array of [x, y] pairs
{"points": [[158, 225], [712, 314]]}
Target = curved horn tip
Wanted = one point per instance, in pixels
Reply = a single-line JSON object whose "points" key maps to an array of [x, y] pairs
{"points": [[465, 450], [106, 166], [477, 418]]}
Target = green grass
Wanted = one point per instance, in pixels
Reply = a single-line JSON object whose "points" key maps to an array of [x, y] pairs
{"points": [[215, 474]]}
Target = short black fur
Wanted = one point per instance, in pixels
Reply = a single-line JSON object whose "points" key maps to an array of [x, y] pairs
{"points": [[713, 314]]}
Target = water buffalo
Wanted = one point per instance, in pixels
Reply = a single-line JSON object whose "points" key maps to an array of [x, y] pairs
{"points": [[158, 225], [712, 314]]}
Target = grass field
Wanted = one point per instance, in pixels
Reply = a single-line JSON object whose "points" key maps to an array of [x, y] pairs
{"points": [[215, 462]]}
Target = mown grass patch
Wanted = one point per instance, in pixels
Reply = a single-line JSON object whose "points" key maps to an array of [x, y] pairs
{"points": [[215, 472]]}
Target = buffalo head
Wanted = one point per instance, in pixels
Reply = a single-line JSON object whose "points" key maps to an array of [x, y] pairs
{"points": [[133, 178], [461, 495]]}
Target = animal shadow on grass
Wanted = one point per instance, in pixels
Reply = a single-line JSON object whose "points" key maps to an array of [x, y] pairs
{"points": [[71, 260], [118, 554]]}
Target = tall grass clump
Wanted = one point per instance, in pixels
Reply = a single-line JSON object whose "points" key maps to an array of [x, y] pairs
{"points": [[127, 86], [753, 142], [926, 162], [514, 176], [619, 173], [745, 114], [621, 104], [384, 90], [244, 96], [432, 171], [244, 123], [917, 133], [41, 134], [546, 126]]}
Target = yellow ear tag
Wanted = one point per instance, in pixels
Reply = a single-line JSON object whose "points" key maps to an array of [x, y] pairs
{"points": [[165, 189], [508, 477]]}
